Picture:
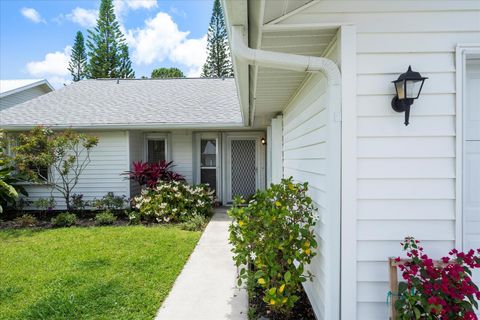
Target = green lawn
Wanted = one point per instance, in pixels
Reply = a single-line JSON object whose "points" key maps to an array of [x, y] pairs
{"points": [[90, 273]]}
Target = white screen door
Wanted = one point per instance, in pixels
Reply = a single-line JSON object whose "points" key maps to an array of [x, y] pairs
{"points": [[242, 178]]}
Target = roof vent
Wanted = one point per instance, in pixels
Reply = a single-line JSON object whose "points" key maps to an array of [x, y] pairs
{"points": [[118, 80]]}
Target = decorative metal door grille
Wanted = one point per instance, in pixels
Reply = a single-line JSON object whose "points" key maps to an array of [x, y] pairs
{"points": [[243, 167]]}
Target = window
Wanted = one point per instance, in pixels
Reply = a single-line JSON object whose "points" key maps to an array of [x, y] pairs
{"points": [[156, 150], [208, 162]]}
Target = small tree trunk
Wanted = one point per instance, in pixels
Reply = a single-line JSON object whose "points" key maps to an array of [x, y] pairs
{"points": [[67, 201]]}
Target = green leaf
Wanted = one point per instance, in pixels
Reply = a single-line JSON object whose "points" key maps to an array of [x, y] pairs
{"points": [[287, 276], [417, 313]]}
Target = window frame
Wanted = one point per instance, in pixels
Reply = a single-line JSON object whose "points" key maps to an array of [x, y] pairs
{"points": [[158, 137]]}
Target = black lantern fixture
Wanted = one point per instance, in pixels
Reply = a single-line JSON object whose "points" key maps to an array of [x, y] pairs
{"points": [[408, 87]]}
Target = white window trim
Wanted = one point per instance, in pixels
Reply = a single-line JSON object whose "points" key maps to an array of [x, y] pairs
{"points": [[158, 137], [462, 52], [227, 137], [198, 137]]}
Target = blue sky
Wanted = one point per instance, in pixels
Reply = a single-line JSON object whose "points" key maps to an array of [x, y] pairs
{"points": [[36, 36]]}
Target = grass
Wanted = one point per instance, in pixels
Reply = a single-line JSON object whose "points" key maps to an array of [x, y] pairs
{"points": [[90, 273]]}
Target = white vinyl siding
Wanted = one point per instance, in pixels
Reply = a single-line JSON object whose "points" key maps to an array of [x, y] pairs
{"points": [[136, 149], [182, 153], [103, 174], [306, 158], [406, 175], [22, 96]]}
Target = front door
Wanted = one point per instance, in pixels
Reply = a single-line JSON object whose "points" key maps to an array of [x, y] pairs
{"points": [[244, 166], [471, 172]]}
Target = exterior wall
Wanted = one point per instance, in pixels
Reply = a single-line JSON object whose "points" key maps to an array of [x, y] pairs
{"points": [[307, 139], [136, 153], [108, 161], [405, 175], [182, 153], [21, 96]]}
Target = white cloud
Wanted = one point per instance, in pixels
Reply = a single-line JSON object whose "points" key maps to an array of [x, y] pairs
{"points": [[53, 67], [123, 6], [85, 17], [160, 39], [142, 4], [191, 53], [32, 15]]}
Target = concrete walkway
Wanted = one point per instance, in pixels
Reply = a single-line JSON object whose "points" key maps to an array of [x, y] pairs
{"points": [[206, 287]]}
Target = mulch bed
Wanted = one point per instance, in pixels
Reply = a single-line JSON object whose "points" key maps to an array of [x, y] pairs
{"points": [[44, 224], [301, 311], [84, 219]]}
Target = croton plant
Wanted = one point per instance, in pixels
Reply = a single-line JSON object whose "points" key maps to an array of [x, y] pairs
{"points": [[149, 174]]}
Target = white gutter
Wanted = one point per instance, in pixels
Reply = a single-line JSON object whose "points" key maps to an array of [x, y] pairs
{"points": [[279, 60], [129, 126]]}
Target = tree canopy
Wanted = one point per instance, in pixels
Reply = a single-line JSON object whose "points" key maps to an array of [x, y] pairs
{"points": [[108, 50], [218, 62], [167, 73], [78, 60]]}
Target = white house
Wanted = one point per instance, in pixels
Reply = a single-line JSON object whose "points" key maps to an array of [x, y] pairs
{"points": [[13, 92], [194, 122], [319, 74], [314, 78]]}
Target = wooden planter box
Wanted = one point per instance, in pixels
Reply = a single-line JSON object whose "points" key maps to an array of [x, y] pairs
{"points": [[393, 275]]}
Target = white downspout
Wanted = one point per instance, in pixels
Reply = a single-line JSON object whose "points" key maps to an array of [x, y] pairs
{"points": [[330, 70], [279, 60]]}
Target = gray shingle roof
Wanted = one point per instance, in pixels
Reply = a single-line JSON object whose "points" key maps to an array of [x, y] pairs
{"points": [[99, 103]]}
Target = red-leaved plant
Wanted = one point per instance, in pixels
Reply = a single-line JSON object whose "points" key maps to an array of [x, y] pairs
{"points": [[442, 290], [149, 174]]}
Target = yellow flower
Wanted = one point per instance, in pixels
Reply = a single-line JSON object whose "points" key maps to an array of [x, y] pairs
{"points": [[308, 251], [261, 281], [284, 300], [306, 244], [241, 223], [282, 287], [272, 302]]}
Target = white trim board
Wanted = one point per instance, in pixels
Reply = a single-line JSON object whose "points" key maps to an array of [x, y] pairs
{"points": [[348, 277], [463, 52]]}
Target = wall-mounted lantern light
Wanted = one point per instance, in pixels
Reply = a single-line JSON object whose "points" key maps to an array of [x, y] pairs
{"points": [[408, 87], [263, 141]]}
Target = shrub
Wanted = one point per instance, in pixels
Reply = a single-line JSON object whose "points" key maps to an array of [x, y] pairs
{"points": [[45, 204], [78, 203], [134, 218], [26, 220], [105, 218], [432, 291], [109, 202], [174, 201], [149, 174], [273, 241], [64, 219], [9, 189], [194, 223]]}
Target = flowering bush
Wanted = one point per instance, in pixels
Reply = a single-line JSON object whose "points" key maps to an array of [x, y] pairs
{"points": [[437, 291], [174, 201], [150, 174], [273, 241]]}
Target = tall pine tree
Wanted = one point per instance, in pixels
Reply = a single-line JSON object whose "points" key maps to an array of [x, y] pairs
{"points": [[107, 46], [219, 63], [78, 60], [125, 68]]}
